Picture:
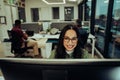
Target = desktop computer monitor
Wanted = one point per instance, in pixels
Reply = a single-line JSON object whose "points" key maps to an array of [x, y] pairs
{"points": [[86, 25], [60, 69]]}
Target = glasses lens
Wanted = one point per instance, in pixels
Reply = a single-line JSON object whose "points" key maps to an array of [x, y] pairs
{"points": [[74, 39], [67, 39]]}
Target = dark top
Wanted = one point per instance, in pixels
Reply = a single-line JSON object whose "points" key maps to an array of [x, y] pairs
{"points": [[20, 33], [83, 36]]}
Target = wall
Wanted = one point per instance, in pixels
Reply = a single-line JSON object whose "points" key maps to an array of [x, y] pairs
{"points": [[2, 13], [46, 10], [10, 12], [79, 1]]}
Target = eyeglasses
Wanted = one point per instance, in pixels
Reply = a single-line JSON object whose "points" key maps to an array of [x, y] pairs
{"points": [[67, 39]]}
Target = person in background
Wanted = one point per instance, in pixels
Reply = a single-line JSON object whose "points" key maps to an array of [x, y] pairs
{"points": [[79, 26], [83, 33], [24, 37], [69, 44]]}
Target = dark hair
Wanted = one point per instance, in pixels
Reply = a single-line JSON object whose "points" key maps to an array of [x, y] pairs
{"points": [[60, 51], [17, 22]]}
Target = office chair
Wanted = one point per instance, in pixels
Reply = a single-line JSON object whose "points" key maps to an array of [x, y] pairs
{"points": [[16, 45], [9, 34]]}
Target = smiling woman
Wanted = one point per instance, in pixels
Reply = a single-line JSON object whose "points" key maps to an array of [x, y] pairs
{"points": [[69, 44]]}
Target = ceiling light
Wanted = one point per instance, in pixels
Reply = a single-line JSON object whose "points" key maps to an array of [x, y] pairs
{"points": [[73, 0], [54, 2]]}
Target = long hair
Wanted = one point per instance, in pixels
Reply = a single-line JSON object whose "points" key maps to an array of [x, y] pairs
{"points": [[60, 51]]}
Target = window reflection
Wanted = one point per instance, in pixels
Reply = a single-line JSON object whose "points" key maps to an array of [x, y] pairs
{"points": [[116, 17], [100, 23], [88, 10], [115, 30]]}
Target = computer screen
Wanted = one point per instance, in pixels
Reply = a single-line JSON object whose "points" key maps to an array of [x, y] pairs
{"points": [[86, 25], [60, 69]]}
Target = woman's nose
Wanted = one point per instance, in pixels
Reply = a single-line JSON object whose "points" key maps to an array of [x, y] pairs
{"points": [[70, 41]]}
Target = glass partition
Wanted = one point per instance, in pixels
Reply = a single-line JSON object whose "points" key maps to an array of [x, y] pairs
{"points": [[100, 23], [115, 30], [116, 18], [88, 10]]}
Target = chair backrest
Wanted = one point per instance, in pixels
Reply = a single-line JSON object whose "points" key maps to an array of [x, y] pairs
{"points": [[16, 43], [9, 34]]}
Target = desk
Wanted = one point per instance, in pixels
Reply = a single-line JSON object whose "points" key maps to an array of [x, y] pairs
{"points": [[86, 28], [45, 46], [42, 39], [38, 36]]}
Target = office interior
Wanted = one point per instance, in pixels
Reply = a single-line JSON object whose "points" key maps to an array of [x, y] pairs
{"points": [[101, 18]]}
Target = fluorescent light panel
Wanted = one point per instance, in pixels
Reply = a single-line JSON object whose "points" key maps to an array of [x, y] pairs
{"points": [[63, 2], [72, 0]]}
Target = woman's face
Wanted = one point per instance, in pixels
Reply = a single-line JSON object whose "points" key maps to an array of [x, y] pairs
{"points": [[70, 40]]}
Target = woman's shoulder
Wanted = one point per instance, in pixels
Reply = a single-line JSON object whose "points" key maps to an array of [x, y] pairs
{"points": [[52, 56], [86, 54]]}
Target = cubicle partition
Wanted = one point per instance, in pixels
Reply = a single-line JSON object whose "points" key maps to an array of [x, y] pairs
{"points": [[32, 27], [61, 24]]}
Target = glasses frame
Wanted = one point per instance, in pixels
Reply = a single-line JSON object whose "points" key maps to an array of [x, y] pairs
{"points": [[73, 40]]}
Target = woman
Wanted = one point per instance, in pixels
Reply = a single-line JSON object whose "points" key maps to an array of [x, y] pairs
{"points": [[69, 45]]}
